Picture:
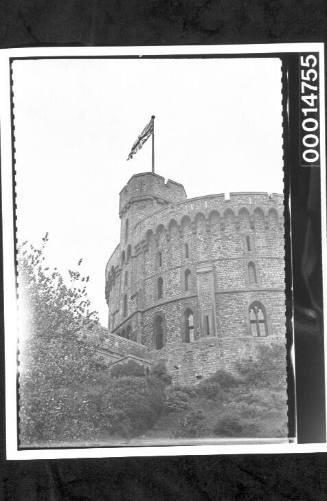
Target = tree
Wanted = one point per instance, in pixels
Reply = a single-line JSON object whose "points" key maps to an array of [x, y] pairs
{"points": [[57, 358]]}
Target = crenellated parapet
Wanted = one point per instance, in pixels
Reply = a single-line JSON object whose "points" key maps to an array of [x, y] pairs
{"points": [[240, 211]]}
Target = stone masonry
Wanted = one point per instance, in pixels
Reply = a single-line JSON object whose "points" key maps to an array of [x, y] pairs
{"points": [[196, 283]]}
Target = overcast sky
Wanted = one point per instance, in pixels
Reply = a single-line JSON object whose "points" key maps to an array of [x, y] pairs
{"points": [[218, 129]]}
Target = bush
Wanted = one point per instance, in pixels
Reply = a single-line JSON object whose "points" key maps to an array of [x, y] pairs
{"points": [[229, 426], [209, 389], [192, 425], [177, 400], [131, 405], [267, 369], [130, 368], [225, 379], [159, 371]]}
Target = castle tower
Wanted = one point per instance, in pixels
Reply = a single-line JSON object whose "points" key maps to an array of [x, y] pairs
{"points": [[144, 194], [197, 282]]}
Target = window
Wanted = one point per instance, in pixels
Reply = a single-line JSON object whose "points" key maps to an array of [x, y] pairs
{"points": [[126, 278], [160, 287], [248, 243], [258, 320], [207, 325], [252, 273], [188, 276], [189, 326], [187, 255], [125, 305], [159, 259], [128, 332], [126, 230], [158, 333]]}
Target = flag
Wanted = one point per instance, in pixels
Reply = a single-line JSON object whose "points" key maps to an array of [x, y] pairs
{"points": [[145, 134]]}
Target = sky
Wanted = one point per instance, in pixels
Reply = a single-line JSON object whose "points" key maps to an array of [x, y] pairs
{"points": [[218, 129]]}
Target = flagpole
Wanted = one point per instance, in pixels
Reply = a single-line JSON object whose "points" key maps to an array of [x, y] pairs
{"points": [[152, 118]]}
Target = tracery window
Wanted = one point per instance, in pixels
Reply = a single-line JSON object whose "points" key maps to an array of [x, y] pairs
{"points": [[160, 287], [189, 326], [252, 273], [258, 320], [187, 278], [159, 334]]}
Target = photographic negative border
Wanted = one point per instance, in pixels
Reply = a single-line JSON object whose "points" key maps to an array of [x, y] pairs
{"points": [[294, 176]]}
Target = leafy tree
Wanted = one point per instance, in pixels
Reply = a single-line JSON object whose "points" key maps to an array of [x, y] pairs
{"points": [[57, 358]]}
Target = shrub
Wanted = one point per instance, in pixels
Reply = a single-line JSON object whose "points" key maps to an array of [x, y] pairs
{"points": [[209, 389], [225, 379], [267, 368], [131, 405], [177, 400], [130, 368], [192, 425], [159, 371], [229, 426]]}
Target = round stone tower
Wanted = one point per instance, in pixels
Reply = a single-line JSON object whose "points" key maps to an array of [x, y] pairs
{"points": [[200, 281]]}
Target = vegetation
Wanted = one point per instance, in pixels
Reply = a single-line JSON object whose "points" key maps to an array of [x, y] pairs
{"points": [[55, 361], [67, 396]]}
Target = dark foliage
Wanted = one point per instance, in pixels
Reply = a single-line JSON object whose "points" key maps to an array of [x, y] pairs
{"points": [[130, 368]]}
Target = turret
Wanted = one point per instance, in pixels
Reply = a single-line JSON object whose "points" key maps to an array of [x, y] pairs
{"points": [[144, 194]]}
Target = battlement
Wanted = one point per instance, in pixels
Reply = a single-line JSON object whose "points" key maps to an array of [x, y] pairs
{"points": [[149, 186]]}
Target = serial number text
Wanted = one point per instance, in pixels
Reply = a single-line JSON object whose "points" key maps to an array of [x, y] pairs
{"points": [[309, 79]]}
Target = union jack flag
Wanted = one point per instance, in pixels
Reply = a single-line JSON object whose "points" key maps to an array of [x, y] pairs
{"points": [[145, 134]]}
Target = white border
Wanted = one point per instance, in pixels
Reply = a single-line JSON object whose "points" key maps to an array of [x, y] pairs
{"points": [[8, 248]]}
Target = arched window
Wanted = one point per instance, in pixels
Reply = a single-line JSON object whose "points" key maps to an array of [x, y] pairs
{"points": [[187, 253], [126, 278], [248, 243], [159, 335], [160, 287], [125, 305], [258, 320], [126, 230], [189, 326], [159, 259], [187, 277], [252, 273]]}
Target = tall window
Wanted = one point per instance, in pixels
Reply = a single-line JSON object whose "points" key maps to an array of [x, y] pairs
{"points": [[159, 259], [126, 278], [159, 333], [187, 280], [160, 287], [252, 273], [207, 325], [187, 254], [125, 305], [248, 243], [128, 332], [126, 230], [258, 320], [189, 326]]}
